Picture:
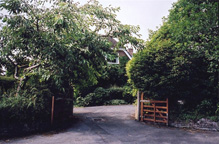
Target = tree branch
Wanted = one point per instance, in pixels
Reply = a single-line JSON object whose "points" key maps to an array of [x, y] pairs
{"points": [[15, 73], [11, 61], [31, 67], [23, 66], [22, 78], [15, 65]]}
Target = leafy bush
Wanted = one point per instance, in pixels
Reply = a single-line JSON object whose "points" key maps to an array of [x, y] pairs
{"points": [[6, 83], [214, 118], [102, 96], [115, 102], [29, 110], [206, 107]]}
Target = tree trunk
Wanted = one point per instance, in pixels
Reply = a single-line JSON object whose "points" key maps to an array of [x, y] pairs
{"points": [[19, 86]]}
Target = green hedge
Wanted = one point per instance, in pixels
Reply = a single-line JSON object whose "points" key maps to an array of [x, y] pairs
{"points": [[110, 96], [29, 111], [180, 61]]}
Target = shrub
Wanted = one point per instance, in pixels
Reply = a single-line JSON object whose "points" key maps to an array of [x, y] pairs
{"points": [[206, 107], [109, 96], [29, 111], [115, 102], [6, 83]]}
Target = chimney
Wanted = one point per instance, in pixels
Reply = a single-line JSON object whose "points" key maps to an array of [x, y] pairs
{"points": [[130, 50]]}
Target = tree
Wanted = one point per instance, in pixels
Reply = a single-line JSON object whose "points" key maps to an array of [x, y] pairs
{"points": [[60, 40], [180, 60]]}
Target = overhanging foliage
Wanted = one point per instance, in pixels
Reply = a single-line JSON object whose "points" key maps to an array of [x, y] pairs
{"points": [[61, 41]]}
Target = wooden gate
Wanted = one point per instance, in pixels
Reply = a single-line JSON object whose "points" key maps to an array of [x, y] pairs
{"points": [[154, 111]]}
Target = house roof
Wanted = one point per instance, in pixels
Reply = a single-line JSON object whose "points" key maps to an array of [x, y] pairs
{"points": [[114, 42], [126, 52]]}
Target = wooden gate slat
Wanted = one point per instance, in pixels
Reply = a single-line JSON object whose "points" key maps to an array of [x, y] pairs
{"points": [[161, 112], [146, 110], [149, 115], [161, 107], [164, 117], [161, 121], [148, 106], [147, 119]]}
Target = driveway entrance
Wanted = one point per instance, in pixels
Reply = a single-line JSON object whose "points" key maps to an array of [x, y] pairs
{"points": [[116, 125]]}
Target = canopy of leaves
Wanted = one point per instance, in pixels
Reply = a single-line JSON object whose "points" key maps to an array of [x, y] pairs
{"points": [[181, 58], [59, 40]]}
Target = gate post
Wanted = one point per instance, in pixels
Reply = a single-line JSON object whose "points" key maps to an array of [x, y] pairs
{"points": [[142, 106], [167, 104], [137, 114], [52, 110]]}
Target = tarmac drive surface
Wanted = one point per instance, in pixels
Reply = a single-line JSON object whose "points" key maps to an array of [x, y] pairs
{"points": [[116, 125]]}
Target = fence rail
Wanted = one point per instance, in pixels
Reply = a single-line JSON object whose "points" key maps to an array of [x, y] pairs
{"points": [[154, 111]]}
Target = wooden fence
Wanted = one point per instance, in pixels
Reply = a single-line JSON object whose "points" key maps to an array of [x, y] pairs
{"points": [[153, 110]]}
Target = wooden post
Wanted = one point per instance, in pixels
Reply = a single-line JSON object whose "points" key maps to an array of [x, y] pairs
{"points": [[167, 105], [154, 112], [137, 115], [142, 107], [52, 110]]}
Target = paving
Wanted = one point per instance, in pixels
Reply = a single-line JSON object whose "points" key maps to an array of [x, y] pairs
{"points": [[116, 125]]}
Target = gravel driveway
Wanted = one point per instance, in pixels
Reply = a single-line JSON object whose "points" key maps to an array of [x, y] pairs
{"points": [[116, 125]]}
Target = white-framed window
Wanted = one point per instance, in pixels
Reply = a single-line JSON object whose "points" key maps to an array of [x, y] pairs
{"points": [[115, 61]]}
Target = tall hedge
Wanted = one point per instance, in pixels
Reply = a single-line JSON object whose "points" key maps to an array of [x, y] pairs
{"points": [[181, 58]]}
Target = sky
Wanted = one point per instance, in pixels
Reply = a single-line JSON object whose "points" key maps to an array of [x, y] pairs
{"points": [[147, 14]]}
